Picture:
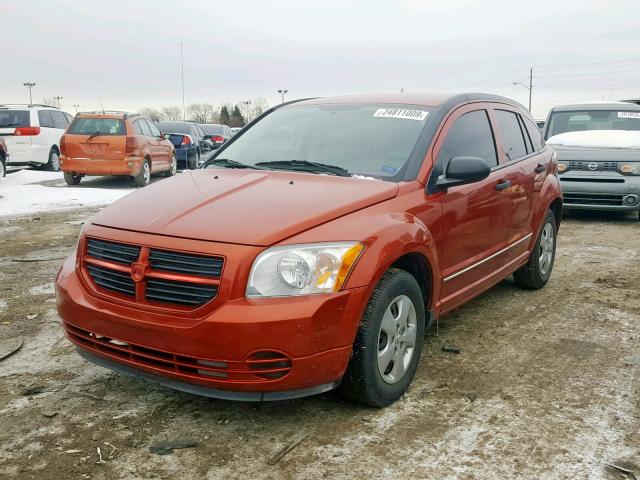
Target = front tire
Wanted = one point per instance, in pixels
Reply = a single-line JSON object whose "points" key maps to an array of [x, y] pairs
{"points": [[535, 273], [144, 176], [3, 168], [72, 179], [389, 342], [53, 165]]}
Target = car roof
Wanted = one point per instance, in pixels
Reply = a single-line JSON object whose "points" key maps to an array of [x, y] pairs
{"points": [[426, 99], [106, 114], [596, 106]]}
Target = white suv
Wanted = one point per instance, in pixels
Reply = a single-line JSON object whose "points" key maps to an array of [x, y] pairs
{"points": [[32, 134]]}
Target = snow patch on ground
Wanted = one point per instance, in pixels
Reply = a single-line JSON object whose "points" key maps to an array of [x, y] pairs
{"points": [[46, 289], [31, 191], [598, 139]]}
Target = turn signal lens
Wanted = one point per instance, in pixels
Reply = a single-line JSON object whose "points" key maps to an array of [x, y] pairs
{"points": [[562, 167], [348, 259], [630, 168]]}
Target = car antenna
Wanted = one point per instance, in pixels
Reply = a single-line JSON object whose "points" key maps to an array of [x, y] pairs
{"points": [[101, 105]]}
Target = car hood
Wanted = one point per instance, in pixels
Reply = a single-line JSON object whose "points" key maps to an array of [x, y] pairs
{"points": [[246, 207]]}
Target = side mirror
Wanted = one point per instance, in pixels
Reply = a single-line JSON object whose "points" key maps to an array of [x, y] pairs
{"points": [[463, 170]]}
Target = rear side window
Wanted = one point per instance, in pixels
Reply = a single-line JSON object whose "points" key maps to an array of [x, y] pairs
{"points": [[512, 135], [45, 119], [104, 126], [534, 134], [59, 120], [154, 130], [137, 127], [145, 128], [14, 118], [469, 136]]}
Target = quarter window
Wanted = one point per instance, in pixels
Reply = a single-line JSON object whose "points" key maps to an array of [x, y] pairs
{"points": [[534, 134], [145, 128], [45, 119], [469, 136], [512, 137], [154, 130], [137, 127]]}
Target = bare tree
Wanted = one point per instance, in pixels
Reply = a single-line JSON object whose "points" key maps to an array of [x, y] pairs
{"points": [[201, 112], [50, 102], [258, 106], [153, 113], [171, 113]]}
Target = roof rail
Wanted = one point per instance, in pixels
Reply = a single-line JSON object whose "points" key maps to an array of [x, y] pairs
{"points": [[7, 105], [109, 112]]}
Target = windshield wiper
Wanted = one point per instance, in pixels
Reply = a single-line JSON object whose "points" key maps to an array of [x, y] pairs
{"points": [[93, 135], [306, 166], [227, 163]]}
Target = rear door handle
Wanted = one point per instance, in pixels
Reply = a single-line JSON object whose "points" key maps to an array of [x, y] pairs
{"points": [[503, 184], [540, 168]]}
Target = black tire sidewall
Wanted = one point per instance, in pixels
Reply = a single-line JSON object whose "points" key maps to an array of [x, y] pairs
{"points": [[49, 165], [4, 168]]}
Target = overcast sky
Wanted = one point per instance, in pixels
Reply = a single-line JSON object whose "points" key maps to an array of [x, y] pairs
{"points": [[128, 52]]}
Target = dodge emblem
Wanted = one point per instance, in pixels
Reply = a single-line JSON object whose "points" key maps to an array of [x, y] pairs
{"points": [[137, 271]]}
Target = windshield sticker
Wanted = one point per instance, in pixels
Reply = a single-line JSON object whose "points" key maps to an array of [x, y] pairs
{"points": [[389, 170], [628, 114], [401, 113]]}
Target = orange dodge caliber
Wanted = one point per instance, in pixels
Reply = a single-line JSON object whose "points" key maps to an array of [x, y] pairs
{"points": [[115, 143], [316, 247]]}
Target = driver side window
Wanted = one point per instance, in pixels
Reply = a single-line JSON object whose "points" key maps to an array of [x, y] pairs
{"points": [[469, 136]]}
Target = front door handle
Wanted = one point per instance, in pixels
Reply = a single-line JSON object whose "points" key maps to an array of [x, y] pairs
{"points": [[540, 168], [503, 184]]}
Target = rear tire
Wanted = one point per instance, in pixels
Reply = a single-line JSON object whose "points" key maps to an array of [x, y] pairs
{"points": [[195, 163], [144, 176], [53, 165], [3, 167], [173, 168], [72, 179], [536, 272], [389, 342]]}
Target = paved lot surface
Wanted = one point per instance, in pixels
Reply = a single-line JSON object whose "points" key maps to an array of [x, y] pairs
{"points": [[546, 385]]}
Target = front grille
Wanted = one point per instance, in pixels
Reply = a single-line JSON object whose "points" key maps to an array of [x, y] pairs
{"points": [[185, 280], [114, 252], [186, 263], [182, 293], [592, 199], [112, 280], [257, 368], [601, 166]]}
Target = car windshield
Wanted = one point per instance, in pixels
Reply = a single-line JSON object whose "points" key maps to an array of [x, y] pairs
{"points": [[89, 126], [14, 118], [363, 139], [176, 127], [581, 120]]}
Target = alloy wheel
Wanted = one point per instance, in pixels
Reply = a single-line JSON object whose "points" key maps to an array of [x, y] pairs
{"points": [[545, 252], [397, 339]]}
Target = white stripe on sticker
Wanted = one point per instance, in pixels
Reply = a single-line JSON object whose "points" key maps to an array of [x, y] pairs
{"points": [[402, 113]]}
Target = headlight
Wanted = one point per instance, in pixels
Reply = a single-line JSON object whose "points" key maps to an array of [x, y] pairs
{"points": [[302, 269], [562, 166], [630, 168]]}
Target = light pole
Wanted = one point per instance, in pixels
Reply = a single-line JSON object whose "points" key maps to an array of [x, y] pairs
{"points": [[29, 85], [282, 93], [76, 107], [246, 103], [530, 87], [58, 101]]}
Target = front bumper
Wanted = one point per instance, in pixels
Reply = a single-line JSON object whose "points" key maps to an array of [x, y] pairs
{"points": [[214, 355], [129, 166], [583, 190]]}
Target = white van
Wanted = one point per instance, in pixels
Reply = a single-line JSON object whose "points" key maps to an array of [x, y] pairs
{"points": [[32, 134]]}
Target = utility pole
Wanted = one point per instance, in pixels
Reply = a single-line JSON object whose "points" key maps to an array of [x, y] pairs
{"points": [[58, 101], [184, 111], [282, 93], [530, 86], [29, 85]]}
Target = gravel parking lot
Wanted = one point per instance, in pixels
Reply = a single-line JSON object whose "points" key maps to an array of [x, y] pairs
{"points": [[546, 385]]}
